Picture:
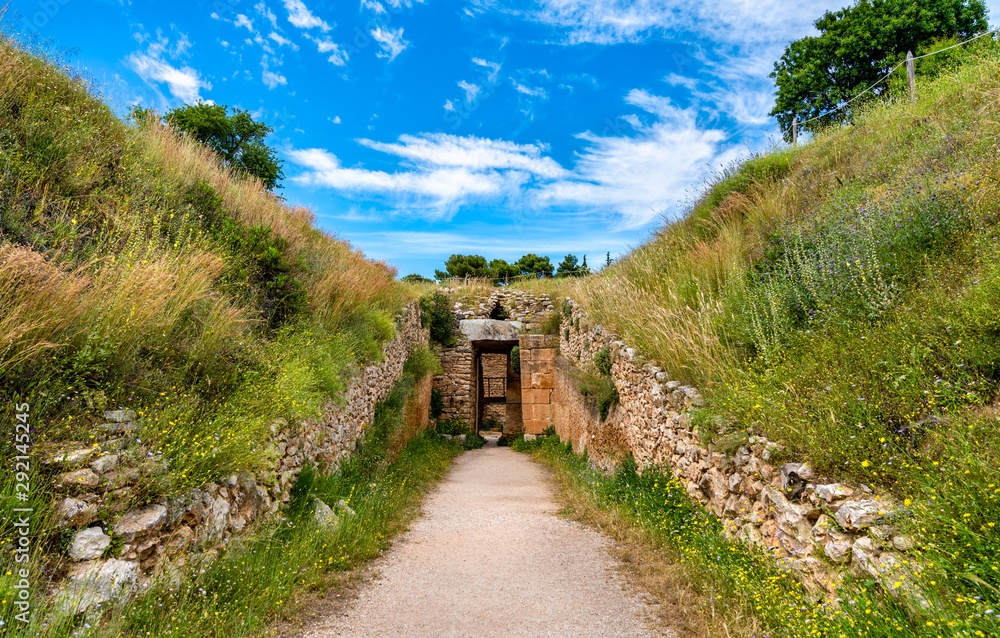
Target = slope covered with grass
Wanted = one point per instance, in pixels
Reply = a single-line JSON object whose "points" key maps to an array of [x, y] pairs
{"points": [[843, 298], [137, 271]]}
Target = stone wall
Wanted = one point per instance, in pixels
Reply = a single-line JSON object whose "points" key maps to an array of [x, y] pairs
{"points": [[457, 383], [818, 528], [157, 536], [538, 355]]}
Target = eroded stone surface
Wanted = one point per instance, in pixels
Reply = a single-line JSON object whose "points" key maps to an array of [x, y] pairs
{"points": [[89, 544]]}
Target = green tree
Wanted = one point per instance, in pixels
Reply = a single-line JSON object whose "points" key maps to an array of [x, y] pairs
{"points": [[417, 279], [237, 139], [532, 264], [465, 266], [503, 272], [568, 267], [858, 45]]}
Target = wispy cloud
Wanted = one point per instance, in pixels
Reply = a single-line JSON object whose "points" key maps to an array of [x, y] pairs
{"points": [[438, 172], [157, 65], [471, 90], [270, 78], [643, 175], [390, 40], [337, 55], [263, 10], [300, 16], [494, 68]]}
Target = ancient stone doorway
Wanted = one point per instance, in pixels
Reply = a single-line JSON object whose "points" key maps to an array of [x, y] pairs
{"points": [[498, 387]]}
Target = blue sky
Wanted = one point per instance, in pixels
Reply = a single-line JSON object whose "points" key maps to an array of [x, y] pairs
{"points": [[417, 129]]}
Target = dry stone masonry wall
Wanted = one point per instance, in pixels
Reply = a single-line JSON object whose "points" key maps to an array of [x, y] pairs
{"points": [[457, 383], [157, 537], [817, 528]]}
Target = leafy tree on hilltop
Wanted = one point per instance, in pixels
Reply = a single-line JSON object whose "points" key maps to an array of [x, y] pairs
{"points": [[465, 266], [236, 138], [532, 264], [569, 267], [857, 45], [503, 272]]}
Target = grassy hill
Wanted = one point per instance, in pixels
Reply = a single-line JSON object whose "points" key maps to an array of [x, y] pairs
{"points": [[842, 297], [137, 271]]}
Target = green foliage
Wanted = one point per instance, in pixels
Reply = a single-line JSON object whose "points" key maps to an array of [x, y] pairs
{"points": [[532, 264], [515, 359], [237, 139], [492, 424], [465, 266], [437, 403], [569, 267], [503, 272], [599, 388], [417, 279], [551, 324], [566, 306], [437, 315], [259, 271], [858, 45], [453, 427], [602, 361], [473, 441], [422, 362]]}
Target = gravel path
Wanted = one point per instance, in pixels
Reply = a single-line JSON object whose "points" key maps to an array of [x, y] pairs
{"points": [[489, 557]]}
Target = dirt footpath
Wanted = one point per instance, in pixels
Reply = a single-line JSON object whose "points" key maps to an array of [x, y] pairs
{"points": [[489, 557]]}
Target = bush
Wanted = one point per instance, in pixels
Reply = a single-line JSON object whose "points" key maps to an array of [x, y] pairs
{"points": [[492, 424], [515, 359], [437, 403], [598, 387], [602, 361], [436, 314], [551, 324], [474, 441], [453, 427]]}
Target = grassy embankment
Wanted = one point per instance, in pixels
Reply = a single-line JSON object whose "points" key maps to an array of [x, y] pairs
{"points": [[842, 298], [135, 270]]}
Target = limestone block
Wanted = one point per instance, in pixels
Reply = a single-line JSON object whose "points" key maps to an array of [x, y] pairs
{"points": [[856, 515], [89, 544], [94, 583], [140, 521], [72, 512]]}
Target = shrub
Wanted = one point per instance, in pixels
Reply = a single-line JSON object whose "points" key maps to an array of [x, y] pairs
{"points": [[598, 387], [436, 314], [602, 361], [474, 441], [567, 308], [515, 359], [437, 403], [551, 324], [453, 427]]}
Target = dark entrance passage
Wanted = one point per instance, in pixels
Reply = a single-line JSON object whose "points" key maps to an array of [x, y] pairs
{"points": [[498, 387]]}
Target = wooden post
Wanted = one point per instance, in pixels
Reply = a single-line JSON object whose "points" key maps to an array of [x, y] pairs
{"points": [[911, 75], [795, 131]]}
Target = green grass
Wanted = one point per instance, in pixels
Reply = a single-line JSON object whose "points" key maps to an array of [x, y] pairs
{"points": [[254, 580], [955, 569]]}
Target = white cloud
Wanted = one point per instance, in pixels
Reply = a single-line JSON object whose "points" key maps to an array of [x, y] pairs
{"points": [[283, 41], [300, 16], [263, 10], [449, 105], [326, 45], [270, 78], [739, 21], [336, 119], [390, 40], [471, 90], [375, 6], [492, 66], [243, 21], [475, 153], [527, 90], [438, 172], [644, 175], [184, 83]]}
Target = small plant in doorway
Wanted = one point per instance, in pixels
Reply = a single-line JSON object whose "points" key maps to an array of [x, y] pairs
{"points": [[452, 427]]}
